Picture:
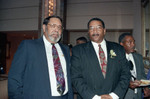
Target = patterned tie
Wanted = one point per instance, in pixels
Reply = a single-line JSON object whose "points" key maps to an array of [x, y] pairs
{"points": [[102, 60], [58, 71]]}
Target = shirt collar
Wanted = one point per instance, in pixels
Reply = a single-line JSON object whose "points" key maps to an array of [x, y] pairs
{"points": [[103, 43], [129, 56]]}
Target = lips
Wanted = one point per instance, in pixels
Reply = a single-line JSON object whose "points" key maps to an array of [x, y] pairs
{"points": [[55, 35], [95, 35]]}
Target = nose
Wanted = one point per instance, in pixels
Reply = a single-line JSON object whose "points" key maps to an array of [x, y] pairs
{"points": [[56, 28], [133, 43], [94, 29]]}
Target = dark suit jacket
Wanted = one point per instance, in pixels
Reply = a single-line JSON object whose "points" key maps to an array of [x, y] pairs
{"points": [[86, 73], [138, 59], [29, 77]]}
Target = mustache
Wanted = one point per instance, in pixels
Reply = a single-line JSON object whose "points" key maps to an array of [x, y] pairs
{"points": [[95, 35], [55, 33]]}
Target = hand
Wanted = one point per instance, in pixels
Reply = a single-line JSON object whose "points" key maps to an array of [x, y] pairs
{"points": [[106, 96], [146, 92], [134, 84]]}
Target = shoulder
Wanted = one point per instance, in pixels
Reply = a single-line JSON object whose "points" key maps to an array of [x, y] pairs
{"points": [[135, 54], [63, 46], [32, 42], [65, 49], [83, 46], [114, 45]]}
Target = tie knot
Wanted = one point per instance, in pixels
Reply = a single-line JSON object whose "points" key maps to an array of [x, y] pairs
{"points": [[100, 48], [99, 45], [52, 44], [53, 48]]}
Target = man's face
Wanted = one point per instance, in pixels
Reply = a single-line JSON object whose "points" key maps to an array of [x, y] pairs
{"points": [[96, 31], [53, 30], [129, 44]]}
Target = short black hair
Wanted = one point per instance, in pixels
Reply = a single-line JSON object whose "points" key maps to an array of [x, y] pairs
{"points": [[96, 19], [122, 36], [46, 20], [82, 39]]}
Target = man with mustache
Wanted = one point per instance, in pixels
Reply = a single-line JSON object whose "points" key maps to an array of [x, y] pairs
{"points": [[41, 67], [99, 67], [136, 66]]}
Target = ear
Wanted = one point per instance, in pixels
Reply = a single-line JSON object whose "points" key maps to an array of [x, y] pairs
{"points": [[104, 31], [121, 43], [44, 28]]}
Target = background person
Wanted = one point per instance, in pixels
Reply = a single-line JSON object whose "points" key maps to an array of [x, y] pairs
{"points": [[81, 40], [137, 66], [147, 89]]}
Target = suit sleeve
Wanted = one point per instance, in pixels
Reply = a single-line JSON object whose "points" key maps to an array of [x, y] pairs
{"points": [[142, 68], [16, 73], [76, 74]]}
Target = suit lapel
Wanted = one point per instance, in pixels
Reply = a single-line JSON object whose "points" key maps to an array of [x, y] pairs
{"points": [[136, 64], [67, 59], [110, 61], [95, 63], [44, 64], [64, 52]]}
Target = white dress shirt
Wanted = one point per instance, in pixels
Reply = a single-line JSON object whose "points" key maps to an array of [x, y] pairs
{"points": [[52, 76], [96, 48], [133, 72], [130, 57], [103, 46]]}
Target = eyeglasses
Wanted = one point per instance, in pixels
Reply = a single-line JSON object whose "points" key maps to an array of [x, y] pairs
{"points": [[99, 27], [59, 27]]}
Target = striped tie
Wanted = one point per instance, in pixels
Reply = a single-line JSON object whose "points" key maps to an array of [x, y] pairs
{"points": [[103, 62]]}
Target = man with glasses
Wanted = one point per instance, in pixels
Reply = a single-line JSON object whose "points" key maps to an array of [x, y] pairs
{"points": [[136, 66], [41, 67], [98, 67]]}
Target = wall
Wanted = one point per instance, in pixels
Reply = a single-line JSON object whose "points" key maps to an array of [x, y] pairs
{"points": [[14, 40], [117, 15], [23, 15], [19, 15], [137, 30], [3, 89]]}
